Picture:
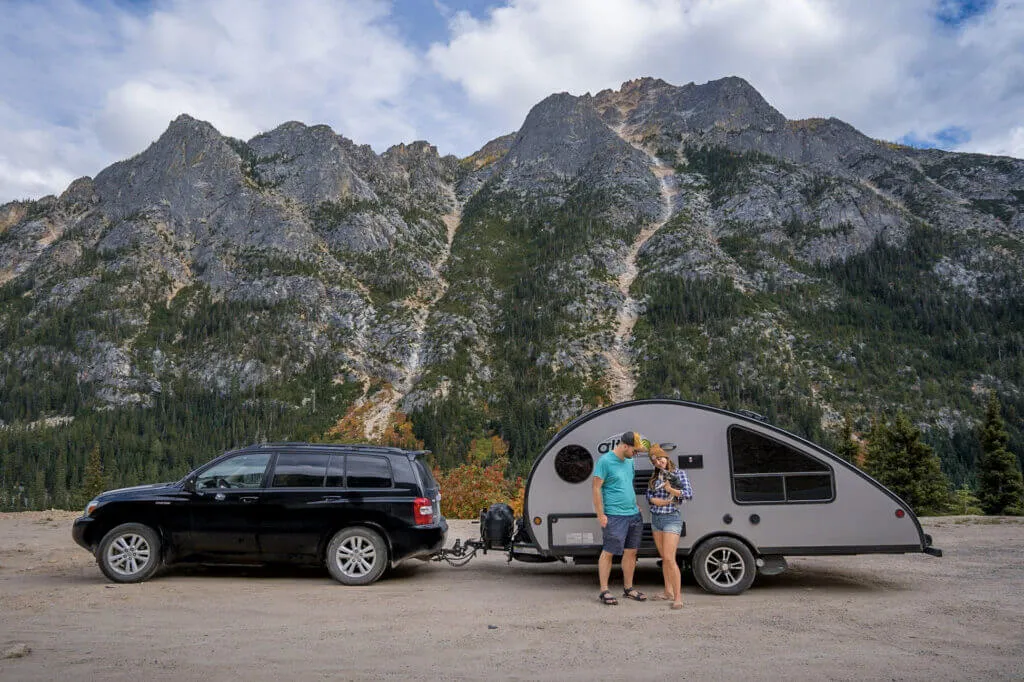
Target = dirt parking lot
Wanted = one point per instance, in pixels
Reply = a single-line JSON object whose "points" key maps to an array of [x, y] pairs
{"points": [[909, 617]]}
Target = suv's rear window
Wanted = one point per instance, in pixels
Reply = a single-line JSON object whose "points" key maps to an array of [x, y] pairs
{"points": [[429, 482], [366, 471]]}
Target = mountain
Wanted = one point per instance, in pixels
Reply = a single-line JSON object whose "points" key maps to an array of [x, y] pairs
{"points": [[657, 240]]}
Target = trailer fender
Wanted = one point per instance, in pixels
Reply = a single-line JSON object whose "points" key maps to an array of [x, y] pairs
{"points": [[718, 534]]}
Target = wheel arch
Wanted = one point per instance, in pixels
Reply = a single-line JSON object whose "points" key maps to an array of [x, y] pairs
{"points": [[99, 528], [722, 534], [337, 528]]}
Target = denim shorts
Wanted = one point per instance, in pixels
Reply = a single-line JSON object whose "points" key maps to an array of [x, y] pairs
{"points": [[667, 523], [622, 532]]}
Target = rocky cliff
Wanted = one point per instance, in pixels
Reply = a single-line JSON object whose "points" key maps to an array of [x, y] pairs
{"points": [[656, 240]]}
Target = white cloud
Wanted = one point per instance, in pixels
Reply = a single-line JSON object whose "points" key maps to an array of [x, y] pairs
{"points": [[84, 83], [888, 68], [244, 66]]}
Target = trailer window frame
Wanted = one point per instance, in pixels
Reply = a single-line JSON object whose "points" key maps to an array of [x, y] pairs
{"points": [[826, 472]]}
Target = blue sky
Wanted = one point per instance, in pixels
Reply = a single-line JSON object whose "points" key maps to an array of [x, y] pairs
{"points": [[84, 83]]}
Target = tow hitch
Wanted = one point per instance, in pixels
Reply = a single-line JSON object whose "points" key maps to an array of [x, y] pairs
{"points": [[498, 531], [461, 552]]}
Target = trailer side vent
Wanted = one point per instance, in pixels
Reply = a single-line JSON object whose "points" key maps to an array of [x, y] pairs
{"points": [[574, 464]]}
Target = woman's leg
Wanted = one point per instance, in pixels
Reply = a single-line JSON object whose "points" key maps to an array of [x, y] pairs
{"points": [[659, 541], [673, 579]]}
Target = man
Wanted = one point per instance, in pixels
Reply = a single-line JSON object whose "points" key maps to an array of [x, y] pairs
{"points": [[621, 523]]}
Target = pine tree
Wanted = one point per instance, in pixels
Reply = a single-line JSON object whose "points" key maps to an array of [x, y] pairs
{"points": [[37, 495], [848, 448], [60, 482], [1000, 485], [94, 480], [965, 501], [901, 462]]}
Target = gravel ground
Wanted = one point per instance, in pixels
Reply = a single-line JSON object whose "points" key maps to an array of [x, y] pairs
{"points": [[872, 617]]}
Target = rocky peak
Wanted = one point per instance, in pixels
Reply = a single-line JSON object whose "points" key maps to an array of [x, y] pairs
{"points": [[189, 163], [330, 164], [80, 191], [559, 137]]}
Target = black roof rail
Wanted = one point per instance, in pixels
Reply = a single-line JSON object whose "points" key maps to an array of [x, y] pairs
{"points": [[357, 447]]}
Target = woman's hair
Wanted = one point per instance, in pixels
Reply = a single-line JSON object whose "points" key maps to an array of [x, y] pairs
{"points": [[654, 453]]}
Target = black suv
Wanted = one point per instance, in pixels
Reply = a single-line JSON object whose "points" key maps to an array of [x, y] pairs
{"points": [[359, 509]]}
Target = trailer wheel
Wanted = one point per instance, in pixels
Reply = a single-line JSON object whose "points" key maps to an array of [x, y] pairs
{"points": [[724, 565]]}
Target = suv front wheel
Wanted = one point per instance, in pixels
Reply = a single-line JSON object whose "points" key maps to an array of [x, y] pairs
{"points": [[357, 556], [129, 553]]}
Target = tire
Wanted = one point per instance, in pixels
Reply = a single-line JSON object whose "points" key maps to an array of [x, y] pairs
{"points": [[724, 565], [357, 556], [129, 553]]}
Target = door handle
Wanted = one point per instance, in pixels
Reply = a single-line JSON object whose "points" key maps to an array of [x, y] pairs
{"points": [[249, 499], [331, 498]]}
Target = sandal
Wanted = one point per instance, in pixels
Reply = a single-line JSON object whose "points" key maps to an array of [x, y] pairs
{"points": [[661, 597], [607, 599], [634, 594], [677, 605]]}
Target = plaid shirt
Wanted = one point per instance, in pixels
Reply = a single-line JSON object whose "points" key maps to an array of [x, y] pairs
{"points": [[679, 481]]}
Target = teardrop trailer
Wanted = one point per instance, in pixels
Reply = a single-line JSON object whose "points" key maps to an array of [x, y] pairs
{"points": [[760, 494]]}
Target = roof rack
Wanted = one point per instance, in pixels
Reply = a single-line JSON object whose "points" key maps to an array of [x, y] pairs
{"points": [[358, 447]]}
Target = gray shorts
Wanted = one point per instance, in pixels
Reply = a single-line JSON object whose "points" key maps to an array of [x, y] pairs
{"points": [[622, 532]]}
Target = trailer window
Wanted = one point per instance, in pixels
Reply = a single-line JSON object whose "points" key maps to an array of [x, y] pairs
{"points": [[760, 489], [766, 470], [574, 464]]}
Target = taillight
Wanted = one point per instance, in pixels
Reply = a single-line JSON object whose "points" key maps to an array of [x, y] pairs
{"points": [[423, 511]]}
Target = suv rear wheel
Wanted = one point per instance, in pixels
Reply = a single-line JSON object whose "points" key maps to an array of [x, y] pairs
{"points": [[129, 553], [357, 556]]}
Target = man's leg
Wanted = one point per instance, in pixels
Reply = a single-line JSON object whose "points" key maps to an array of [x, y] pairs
{"points": [[628, 566], [632, 544], [604, 569]]}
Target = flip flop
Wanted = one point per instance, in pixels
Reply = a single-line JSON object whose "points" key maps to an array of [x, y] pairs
{"points": [[677, 605], [660, 597]]}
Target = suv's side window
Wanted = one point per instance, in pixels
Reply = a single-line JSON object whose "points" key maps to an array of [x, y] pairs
{"points": [[367, 471], [240, 471], [299, 470]]}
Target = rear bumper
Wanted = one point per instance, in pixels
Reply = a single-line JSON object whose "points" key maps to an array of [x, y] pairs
{"points": [[419, 542]]}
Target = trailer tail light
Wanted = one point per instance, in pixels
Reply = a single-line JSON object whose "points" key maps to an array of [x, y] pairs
{"points": [[900, 513], [423, 511]]}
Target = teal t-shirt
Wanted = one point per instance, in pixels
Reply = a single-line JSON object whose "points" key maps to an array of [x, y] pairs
{"points": [[617, 493]]}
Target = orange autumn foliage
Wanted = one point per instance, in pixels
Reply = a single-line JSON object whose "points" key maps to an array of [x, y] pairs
{"points": [[466, 489], [469, 488], [480, 482]]}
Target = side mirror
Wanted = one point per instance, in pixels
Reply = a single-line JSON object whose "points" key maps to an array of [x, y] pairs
{"points": [[190, 484]]}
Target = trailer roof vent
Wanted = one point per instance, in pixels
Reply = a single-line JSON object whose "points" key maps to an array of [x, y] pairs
{"points": [[574, 464]]}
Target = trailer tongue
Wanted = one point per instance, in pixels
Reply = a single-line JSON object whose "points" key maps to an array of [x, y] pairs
{"points": [[499, 530]]}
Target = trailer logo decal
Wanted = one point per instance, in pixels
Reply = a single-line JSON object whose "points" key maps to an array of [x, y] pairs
{"points": [[609, 443]]}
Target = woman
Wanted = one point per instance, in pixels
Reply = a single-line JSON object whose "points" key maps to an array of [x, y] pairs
{"points": [[667, 487]]}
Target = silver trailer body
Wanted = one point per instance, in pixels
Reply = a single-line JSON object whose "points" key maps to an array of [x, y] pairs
{"points": [[754, 485]]}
